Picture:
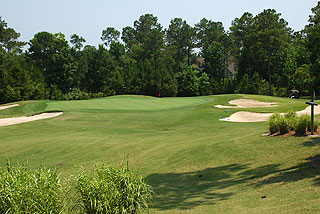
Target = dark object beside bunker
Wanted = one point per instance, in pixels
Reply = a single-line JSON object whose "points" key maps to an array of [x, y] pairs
{"points": [[294, 94]]}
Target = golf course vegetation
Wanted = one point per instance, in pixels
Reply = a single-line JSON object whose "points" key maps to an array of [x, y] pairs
{"points": [[137, 128], [291, 122], [193, 162], [258, 54]]}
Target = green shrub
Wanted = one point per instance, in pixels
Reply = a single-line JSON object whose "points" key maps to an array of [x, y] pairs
{"points": [[283, 125], [315, 125], [282, 92], [263, 87], [292, 118], [23, 190], [55, 93], [76, 94], [302, 124], [274, 123], [112, 190], [290, 115]]}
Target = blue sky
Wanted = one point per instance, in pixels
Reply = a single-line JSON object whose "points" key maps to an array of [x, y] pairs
{"points": [[88, 18]]}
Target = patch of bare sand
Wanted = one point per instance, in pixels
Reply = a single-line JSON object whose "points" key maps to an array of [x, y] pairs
{"points": [[247, 103], [308, 111], [8, 106], [247, 117], [24, 119]]}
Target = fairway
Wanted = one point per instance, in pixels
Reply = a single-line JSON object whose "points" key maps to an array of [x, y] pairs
{"points": [[194, 162]]}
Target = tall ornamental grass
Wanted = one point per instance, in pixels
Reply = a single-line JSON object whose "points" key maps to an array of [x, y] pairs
{"points": [[24, 190], [289, 122], [291, 118], [315, 125], [280, 123], [274, 123], [302, 125], [284, 126], [112, 190]]}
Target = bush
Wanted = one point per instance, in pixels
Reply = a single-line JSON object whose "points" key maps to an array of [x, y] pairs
{"points": [[315, 125], [111, 190], [23, 190], [291, 117], [282, 92], [290, 121], [283, 125], [274, 123], [55, 93], [76, 94], [302, 124], [263, 87]]}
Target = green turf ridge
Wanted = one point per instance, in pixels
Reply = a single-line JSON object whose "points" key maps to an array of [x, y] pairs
{"points": [[25, 108], [195, 163]]}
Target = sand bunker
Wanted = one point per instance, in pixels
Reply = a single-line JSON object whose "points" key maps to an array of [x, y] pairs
{"points": [[8, 106], [247, 117], [308, 111], [246, 103], [17, 120]]}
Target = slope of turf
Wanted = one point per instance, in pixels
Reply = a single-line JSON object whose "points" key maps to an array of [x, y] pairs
{"points": [[127, 103], [195, 163], [27, 108]]}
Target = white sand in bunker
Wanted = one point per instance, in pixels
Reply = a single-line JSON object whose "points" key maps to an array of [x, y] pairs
{"points": [[247, 117], [247, 103], [17, 120], [308, 111], [8, 106]]}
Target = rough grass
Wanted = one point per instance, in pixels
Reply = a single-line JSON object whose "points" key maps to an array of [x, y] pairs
{"points": [[194, 162], [24, 190], [111, 190]]}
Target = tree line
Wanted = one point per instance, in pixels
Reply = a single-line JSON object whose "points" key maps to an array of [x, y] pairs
{"points": [[269, 58]]}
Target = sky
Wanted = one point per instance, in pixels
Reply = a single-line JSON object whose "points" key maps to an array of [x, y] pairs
{"points": [[88, 18]]}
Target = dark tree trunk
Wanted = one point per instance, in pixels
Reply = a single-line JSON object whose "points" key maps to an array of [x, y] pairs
{"points": [[269, 69], [188, 56]]}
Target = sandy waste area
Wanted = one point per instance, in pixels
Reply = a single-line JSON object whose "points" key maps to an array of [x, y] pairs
{"points": [[247, 117], [8, 106], [25, 119], [246, 103]]}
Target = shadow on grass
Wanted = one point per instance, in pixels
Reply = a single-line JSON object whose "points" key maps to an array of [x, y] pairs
{"points": [[189, 189], [312, 142], [206, 187], [308, 169]]}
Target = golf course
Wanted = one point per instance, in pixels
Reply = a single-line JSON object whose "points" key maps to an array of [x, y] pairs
{"points": [[194, 162]]}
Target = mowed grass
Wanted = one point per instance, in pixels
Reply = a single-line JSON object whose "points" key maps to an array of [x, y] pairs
{"points": [[194, 162]]}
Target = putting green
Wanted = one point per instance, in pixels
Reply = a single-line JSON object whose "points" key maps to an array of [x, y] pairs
{"points": [[127, 103]]}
